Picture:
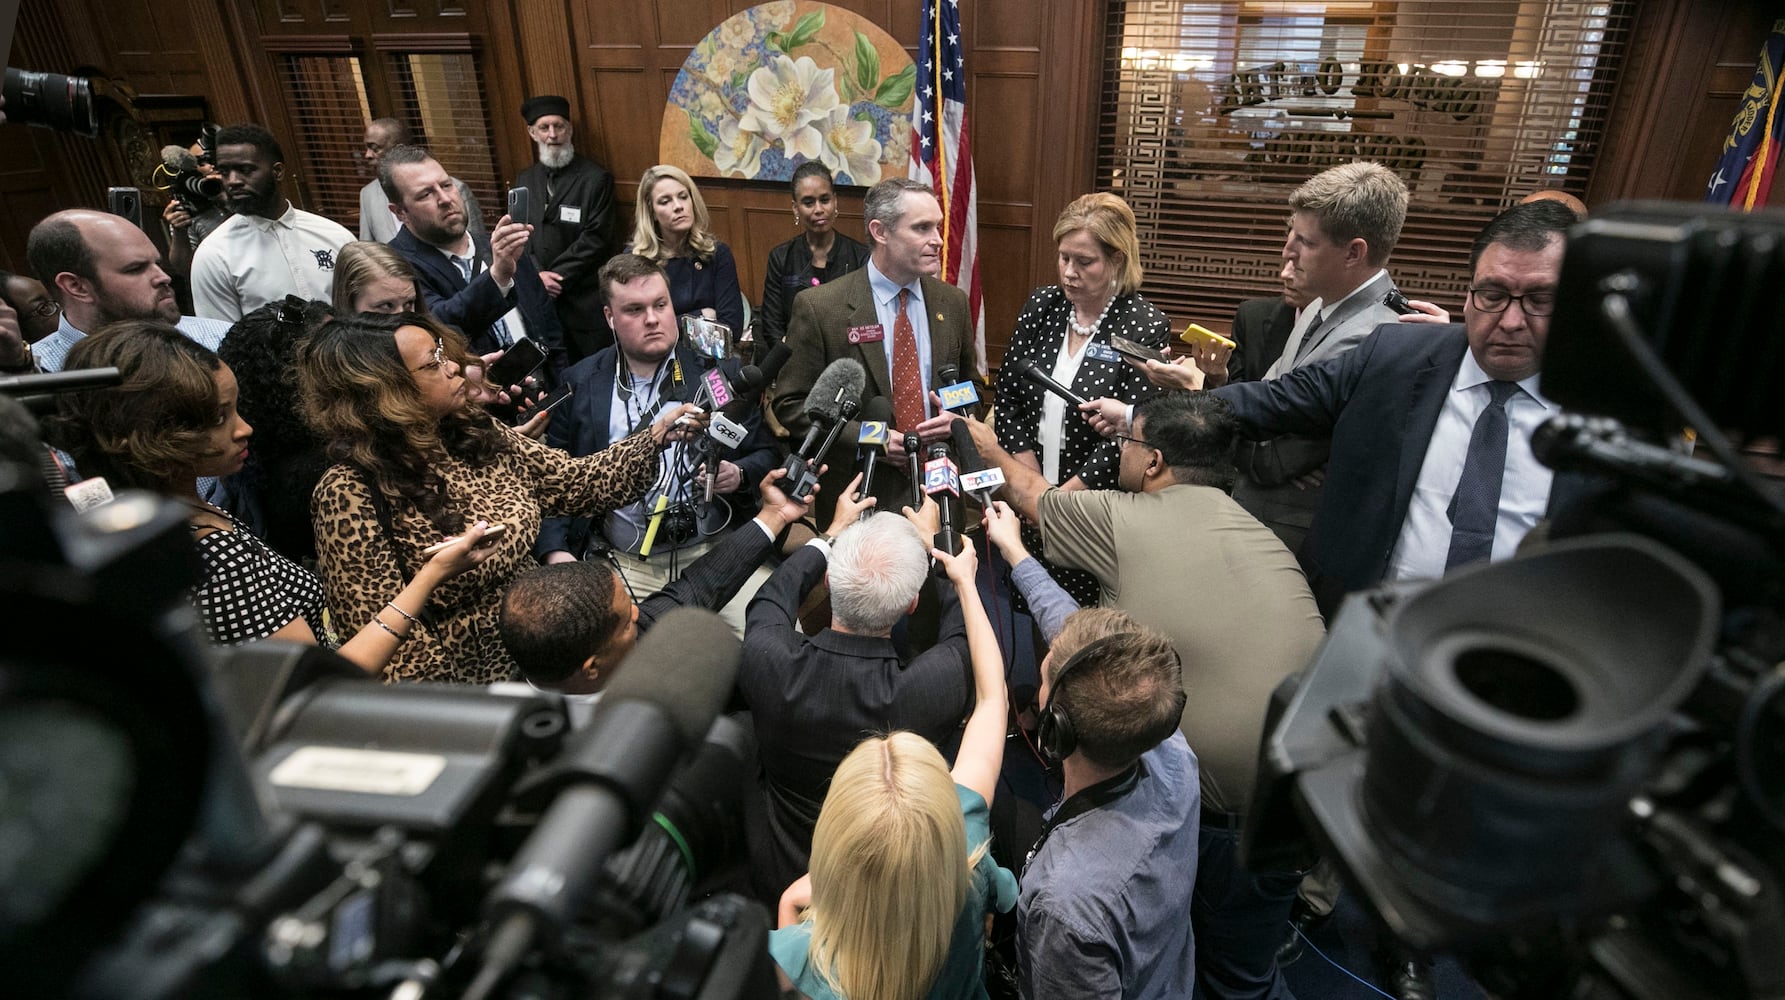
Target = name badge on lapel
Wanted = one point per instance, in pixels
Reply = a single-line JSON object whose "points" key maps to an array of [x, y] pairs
{"points": [[570, 213], [871, 334], [1103, 352]]}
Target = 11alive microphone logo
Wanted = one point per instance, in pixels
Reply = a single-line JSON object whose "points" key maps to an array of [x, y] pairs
{"points": [[939, 474], [958, 396], [872, 432]]}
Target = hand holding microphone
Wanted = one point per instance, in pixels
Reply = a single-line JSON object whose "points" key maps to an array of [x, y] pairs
{"points": [[829, 406], [871, 441]]}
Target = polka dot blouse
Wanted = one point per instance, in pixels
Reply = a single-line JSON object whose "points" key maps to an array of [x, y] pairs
{"points": [[1040, 330]]}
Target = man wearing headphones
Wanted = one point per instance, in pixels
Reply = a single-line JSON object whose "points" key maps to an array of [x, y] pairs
{"points": [[1105, 902]]}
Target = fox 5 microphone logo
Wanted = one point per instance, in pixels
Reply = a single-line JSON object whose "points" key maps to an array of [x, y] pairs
{"points": [[939, 474]]}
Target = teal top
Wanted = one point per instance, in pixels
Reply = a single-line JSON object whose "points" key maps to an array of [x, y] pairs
{"points": [[961, 978]]}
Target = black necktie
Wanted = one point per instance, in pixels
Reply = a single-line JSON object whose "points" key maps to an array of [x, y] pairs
{"points": [[1475, 506], [1310, 336]]}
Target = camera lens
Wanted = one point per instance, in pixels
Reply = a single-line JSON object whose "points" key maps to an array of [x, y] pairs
{"points": [[51, 100]]}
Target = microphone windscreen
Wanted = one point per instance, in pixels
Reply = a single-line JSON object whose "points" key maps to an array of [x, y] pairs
{"points": [[685, 665], [947, 375], [842, 379], [879, 409], [966, 452], [178, 159], [777, 359]]}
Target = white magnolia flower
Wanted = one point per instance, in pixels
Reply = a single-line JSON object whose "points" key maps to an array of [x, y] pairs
{"points": [[739, 151], [787, 98], [850, 147]]}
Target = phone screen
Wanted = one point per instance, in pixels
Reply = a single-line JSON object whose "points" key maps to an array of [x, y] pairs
{"points": [[521, 359], [1125, 346], [551, 399]]}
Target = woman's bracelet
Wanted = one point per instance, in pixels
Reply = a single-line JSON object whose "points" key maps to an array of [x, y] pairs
{"points": [[412, 619], [400, 637]]}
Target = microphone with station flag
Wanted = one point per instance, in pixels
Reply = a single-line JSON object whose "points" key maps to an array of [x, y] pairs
{"points": [[870, 442], [942, 481], [830, 405], [731, 403], [975, 477], [658, 708], [914, 467], [957, 396], [1028, 369]]}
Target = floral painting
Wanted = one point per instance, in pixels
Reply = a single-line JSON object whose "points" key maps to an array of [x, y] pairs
{"points": [[787, 82]]}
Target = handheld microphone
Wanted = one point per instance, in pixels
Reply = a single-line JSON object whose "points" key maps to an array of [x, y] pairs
{"points": [[830, 404], [178, 159], [942, 481], [871, 441], [975, 477], [913, 461], [1032, 371], [957, 396], [611, 775]]}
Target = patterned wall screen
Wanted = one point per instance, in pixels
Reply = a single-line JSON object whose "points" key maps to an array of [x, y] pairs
{"points": [[1213, 112]]}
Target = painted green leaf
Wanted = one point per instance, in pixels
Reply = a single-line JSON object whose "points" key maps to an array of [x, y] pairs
{"points": [[895, 90], [704, 141], [867, 62], [775, 40], [806, 29]]}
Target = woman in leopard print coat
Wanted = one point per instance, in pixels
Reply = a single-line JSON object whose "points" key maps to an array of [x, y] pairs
{"points": [[416, 461]]}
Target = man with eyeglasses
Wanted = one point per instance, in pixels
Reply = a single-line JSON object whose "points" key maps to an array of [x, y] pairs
{"points": [[1431, 425], [1175, 551]]}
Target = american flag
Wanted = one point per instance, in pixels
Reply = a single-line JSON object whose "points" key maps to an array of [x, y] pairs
{"points": [[942, 152]]}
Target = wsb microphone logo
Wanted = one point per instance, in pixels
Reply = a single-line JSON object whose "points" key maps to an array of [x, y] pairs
{"points": [[872, 432]]}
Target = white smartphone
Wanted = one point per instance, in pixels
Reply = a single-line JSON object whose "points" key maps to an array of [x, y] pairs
{"points": [[490, 534]]}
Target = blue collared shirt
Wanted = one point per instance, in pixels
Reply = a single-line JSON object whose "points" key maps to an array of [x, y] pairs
{"points": [[886, 306], [1104, 909], [52, 351]]}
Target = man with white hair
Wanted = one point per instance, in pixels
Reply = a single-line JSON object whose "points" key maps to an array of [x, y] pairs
{"points": [[576, 224], [814, 697]]}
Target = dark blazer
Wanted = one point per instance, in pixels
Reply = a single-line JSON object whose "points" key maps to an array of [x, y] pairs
{"points": [[1261, 328], [696, 284], [1379, 401], [473, 307], [789, 273], [1040, 330], [575, 250], [818, 333], [813, 698], [580, 427]]}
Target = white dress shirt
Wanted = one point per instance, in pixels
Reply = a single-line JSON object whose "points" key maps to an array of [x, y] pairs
{"points": [[1051, 432], [1424, 544], [250, 261]]}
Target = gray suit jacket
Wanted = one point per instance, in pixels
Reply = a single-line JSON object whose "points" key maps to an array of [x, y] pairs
{"points": [[1350, 323], [818, 333]]}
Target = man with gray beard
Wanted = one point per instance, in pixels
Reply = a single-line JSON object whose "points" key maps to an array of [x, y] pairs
{"points": [[570, 206]]}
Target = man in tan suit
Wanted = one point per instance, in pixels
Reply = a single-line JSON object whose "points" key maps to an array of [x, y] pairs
{"points": [[895, 317]]}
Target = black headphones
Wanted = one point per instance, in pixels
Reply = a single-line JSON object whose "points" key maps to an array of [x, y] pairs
{"points": [[1055, 734]]}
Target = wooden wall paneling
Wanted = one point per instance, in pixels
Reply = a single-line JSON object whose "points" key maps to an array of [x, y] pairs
{"points": [[532, 51], [225, 94]]}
